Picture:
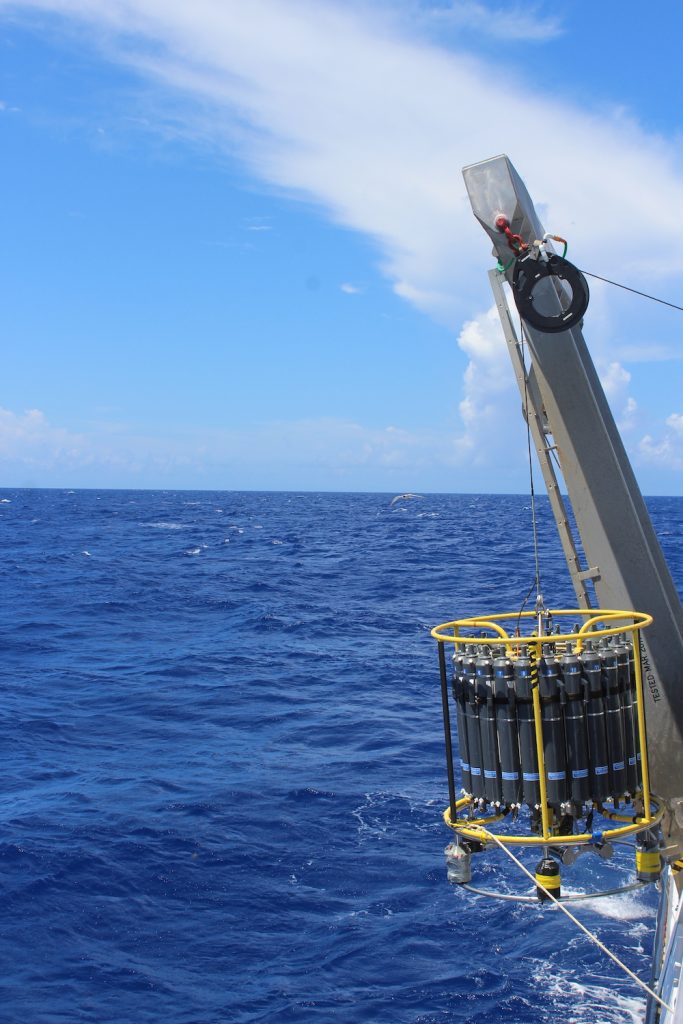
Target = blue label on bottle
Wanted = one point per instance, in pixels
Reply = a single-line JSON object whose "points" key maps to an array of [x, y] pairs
{"points": [[531, 776], [465, 767], [631, 760], [556, 776], [618, 766], [475, 771], [489, 774], [601, 769], [510, 776], [581, 773]]}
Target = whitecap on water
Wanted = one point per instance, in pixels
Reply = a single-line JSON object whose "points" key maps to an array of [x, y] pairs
{"points": [[166, 526], [582, 1002], [625, 907], [193, 551]]}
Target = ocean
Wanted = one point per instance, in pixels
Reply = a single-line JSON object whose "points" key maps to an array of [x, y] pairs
{"points": [[223, 766]]}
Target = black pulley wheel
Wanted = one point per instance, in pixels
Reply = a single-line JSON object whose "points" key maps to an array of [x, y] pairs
{"points": [[529, 272]]}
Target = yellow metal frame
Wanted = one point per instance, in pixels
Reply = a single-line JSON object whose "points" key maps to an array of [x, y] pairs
{"points": [[474, 828]]}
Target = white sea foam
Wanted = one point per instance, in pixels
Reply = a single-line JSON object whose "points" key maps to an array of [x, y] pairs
{"points": [[624, 907], [167, 526], [193, 551], [5, 501], [87, 554], [584, 1002]]}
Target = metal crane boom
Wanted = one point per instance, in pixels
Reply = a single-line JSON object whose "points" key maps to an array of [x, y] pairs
{"points": [[625, 561]]}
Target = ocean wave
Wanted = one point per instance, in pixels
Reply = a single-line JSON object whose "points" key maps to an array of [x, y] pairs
{"points": [[224, 768]]}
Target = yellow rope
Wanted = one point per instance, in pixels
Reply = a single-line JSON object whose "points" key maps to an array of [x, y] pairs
{"points": [[578, 924]]}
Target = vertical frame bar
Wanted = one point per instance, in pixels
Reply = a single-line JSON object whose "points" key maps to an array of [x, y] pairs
{"points": [[644, 768], [536, 650], [447, 728]]}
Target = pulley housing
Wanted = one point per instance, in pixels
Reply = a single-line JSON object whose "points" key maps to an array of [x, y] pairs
{"points": [[533, 271]]}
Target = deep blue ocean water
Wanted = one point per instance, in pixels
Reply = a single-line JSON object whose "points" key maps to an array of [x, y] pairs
{"points": [[223, 769]]}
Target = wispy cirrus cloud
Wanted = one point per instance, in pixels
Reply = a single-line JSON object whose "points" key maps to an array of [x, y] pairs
{"points": [[346, 107], [512, 21], [339, 106]]}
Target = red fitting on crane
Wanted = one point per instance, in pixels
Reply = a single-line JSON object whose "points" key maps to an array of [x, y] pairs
{"points": [[515, 242]]}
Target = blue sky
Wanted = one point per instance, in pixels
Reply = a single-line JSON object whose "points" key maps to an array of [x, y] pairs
{"points": [[237, 253]]}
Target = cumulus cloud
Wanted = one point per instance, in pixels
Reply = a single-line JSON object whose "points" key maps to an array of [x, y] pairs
{"points": [[491, 402], [30, 438], [615, 380], [350, 289], [324, 450], [667, 450]]}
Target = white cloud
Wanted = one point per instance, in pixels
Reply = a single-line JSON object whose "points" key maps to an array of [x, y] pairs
{"points": [[350, 289], [615, 380], [490, 407], [343, 106], [509, 22], [627, 419], [649, 352], [29, 437], [667, 451], [663, 453], [381, 148], [325, 449]]}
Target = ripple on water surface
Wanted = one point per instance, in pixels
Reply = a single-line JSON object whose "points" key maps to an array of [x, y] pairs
{"points": [[224, 770]]}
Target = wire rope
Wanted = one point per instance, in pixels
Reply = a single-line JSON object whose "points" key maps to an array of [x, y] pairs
{"points": [[579, 925], [532, 490], [635, 291]]}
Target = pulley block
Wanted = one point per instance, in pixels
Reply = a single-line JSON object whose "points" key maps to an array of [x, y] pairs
{"points": [[530, 270]]}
